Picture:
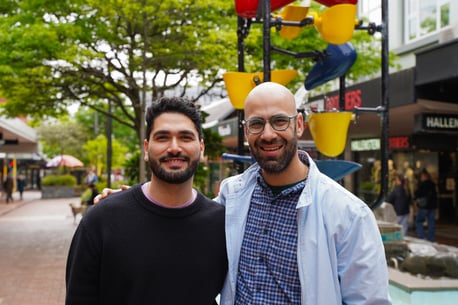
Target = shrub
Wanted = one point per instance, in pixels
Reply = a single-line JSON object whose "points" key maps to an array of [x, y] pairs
{"points": [[62, 180]]}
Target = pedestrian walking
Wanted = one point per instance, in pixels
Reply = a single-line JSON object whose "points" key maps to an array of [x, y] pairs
{"points": [[401, 199], [426, 200], [21, 182], [8, 186]]}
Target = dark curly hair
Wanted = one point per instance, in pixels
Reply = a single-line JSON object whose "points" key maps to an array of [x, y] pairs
{"points": [[174, 105]]}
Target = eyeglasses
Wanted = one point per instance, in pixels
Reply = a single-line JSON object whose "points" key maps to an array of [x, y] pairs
{"points": [[278, 122]]}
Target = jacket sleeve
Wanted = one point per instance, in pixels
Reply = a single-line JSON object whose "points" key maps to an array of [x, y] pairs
{"points": [[362, 264]]}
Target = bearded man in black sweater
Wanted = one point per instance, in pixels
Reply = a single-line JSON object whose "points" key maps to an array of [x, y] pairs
{"points": [[160, 242]]}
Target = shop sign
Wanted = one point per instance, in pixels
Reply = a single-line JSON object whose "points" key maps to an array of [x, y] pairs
{"points": [[374, 144], [365, 145], [436, 122], [352, 100], [227, 128], [398, 143]]}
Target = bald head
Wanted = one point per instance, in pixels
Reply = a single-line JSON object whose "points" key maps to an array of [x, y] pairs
{"points": [[270, 93]]}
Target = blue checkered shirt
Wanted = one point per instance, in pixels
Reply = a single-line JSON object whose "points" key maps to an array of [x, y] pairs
{"points": [[268, 271]]}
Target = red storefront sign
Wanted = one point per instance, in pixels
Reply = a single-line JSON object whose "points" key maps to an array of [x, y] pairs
{"points": [[352, 100]]}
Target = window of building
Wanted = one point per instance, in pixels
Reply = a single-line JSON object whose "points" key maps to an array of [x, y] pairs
{"points": [[370, 9], [425, 17]]}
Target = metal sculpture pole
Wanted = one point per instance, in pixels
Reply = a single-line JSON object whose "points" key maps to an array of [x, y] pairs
{"points": [[266, 39], [385, 108], [241, 34]]}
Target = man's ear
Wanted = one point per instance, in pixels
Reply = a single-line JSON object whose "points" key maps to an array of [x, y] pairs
{"points": [[300, 124], [145, 150], [202, 150]]}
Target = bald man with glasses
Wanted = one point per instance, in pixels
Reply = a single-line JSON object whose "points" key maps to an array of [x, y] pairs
{"points": [[295, 236]]}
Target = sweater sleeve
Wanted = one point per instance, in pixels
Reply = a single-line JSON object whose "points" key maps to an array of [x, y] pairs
{"points": [[82, 274]]}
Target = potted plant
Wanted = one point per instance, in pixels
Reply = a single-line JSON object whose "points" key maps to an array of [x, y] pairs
{"points": [[58, 186]]}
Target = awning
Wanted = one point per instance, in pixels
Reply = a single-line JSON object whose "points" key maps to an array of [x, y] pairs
{"points": [[17, 136], [217, 111]]}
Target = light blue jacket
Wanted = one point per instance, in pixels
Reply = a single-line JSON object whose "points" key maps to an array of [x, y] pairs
{"points": [[340, 251]]}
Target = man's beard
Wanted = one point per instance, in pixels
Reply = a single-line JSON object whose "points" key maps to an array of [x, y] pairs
{"points": [[174, 177], [276, 165]]}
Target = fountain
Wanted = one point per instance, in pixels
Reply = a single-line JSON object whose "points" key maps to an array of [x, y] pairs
{"points": [[420, 272]]}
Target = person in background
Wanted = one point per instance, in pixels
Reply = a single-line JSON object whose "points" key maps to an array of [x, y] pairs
{"points": [[427, 191], [400, 198], [159, 242], [88, 196], [8, 186], [91, 177], [294, 235], [20, 181]]}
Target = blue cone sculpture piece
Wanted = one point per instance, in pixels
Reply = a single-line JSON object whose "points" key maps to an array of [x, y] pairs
{"points": [[338, 60], [334, 169]]}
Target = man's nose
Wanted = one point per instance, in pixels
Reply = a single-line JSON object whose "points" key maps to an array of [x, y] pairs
{"points": [[174, 145], [268, 131]]}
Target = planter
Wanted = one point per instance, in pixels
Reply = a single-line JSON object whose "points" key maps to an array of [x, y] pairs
{"points": [[57, 192]]}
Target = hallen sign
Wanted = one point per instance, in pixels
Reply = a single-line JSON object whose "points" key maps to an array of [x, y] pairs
{"points": [[436, 122]]}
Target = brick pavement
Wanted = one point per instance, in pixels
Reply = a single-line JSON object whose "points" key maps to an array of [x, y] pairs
{"points": [[34, 238]]}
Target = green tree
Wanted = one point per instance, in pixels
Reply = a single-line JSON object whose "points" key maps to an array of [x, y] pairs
{"points": [[62, 137], [96, 124], [96, 151], [56, 53]]}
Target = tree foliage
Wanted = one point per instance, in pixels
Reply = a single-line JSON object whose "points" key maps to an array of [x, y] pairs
{"points": [[62, 137], [96, 124], [70, 136], [55, 53], [96, 152]]}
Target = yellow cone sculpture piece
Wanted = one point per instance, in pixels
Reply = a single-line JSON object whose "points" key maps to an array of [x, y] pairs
{"points": [[337, 23], [329, 131], [239, 84], [292, 12]]}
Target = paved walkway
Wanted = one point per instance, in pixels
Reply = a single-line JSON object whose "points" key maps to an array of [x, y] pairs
{"points": [[34, 238]]}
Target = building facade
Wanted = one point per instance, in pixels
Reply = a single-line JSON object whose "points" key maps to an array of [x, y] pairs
{"points": [[423, 102]]}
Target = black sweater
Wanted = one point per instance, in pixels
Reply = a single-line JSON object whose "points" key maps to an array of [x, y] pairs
{"points": [[127, 250]]}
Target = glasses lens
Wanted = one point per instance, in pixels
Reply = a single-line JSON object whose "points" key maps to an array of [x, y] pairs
{"points": [[280, 122], [256, 125]]}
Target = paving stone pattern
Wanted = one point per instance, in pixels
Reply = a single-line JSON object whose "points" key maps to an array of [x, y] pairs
{"points": [[34, 241]]}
